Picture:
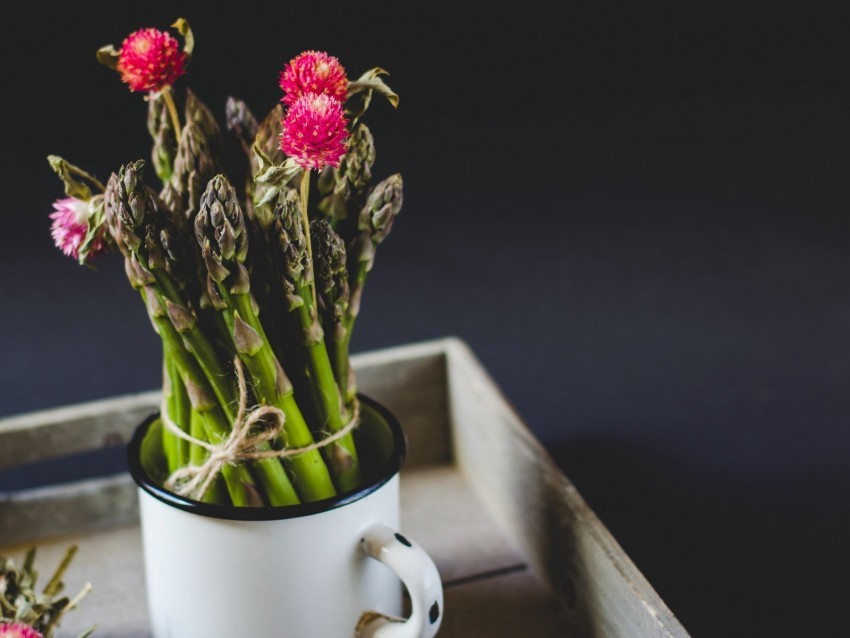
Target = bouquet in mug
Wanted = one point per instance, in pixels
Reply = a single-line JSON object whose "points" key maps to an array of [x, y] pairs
{"points": [[252, 284]]}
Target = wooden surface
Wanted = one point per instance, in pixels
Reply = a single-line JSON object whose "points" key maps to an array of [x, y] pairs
{"points": [[518, 549]]}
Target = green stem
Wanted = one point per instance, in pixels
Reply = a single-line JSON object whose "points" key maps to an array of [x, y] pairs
{"points": [[197, 454], [342, 456], [169, 439], [342, 368], [341, 350], [305, 220], [172, 111], [181, 412]]}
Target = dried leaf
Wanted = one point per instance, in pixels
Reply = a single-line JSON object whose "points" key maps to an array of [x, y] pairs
{"points": [[182, 26], [77, 181], [108, 56], [371, 81]]}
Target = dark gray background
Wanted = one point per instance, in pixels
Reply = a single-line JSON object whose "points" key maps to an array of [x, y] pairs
{"points": [[636, 216]]}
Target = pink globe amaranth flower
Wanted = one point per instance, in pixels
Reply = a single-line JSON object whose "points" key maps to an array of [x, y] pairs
{"points": [[150, 60], [17, 630], [313, 72], [69, 228], [314, 132]]}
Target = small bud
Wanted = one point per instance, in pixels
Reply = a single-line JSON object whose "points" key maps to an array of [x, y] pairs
{"points": [[245, 338], [182, 318]]}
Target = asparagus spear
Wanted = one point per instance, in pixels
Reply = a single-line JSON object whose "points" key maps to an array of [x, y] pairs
{"points": [[199, 113], [374, 224], [194, 166], [297, 279], [242, 124], [221, 231], [332, 287], [164, 136]]}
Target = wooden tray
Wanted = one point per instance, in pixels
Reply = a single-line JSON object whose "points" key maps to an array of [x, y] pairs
{"points": [[519, 551]]}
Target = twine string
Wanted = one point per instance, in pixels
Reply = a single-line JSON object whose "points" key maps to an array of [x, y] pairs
{"points": [[242, 444]]}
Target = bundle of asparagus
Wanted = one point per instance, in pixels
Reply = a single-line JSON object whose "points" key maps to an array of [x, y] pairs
{"points": [[253, 288]]}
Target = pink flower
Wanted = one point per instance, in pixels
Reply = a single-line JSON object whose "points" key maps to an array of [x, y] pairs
{"points": [[313, 72], [17, 630], [69, 228], [314, 132], [150, 60]]}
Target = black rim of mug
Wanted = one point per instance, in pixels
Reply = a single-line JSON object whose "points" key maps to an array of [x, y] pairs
{"points": [[390, 469]]}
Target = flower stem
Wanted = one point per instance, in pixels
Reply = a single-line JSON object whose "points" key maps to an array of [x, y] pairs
{"points": [[172, 111], [305, 220]]}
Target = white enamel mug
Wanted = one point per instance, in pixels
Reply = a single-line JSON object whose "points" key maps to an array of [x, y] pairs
{"points": [[328, 569]]}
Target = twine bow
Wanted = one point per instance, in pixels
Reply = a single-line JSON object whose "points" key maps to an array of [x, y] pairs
{"points": [[242, 444]]}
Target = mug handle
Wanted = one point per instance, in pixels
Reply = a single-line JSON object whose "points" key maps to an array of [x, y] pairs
{"points": [[418, 573]]}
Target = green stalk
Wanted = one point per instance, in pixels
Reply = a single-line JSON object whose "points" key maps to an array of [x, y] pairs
{"points": [[197, 454], [183, 410], [174, 394], [180, 409], [169, 439], [341, 456], [341, 350], [164, 136]]}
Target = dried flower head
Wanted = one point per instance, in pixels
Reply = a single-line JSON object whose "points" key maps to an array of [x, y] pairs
{"points": [[17, 630], [313, 72], [315, 132], [150, 60], [70, 226]]}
